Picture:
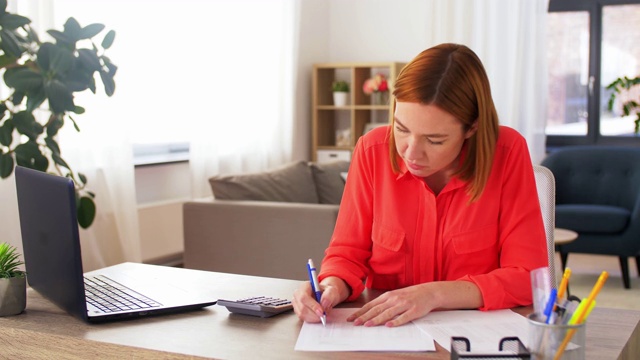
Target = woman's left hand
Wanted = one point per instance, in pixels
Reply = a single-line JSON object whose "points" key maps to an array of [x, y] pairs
{"points": [[398, 307]]}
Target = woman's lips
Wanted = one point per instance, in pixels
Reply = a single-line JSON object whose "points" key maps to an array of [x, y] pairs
{"points": [[415, 166]]}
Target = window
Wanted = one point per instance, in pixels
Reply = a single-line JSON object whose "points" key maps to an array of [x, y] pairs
{"points": [[590, 44]]}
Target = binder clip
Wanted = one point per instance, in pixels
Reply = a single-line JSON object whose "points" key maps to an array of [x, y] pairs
{"points": [[509, 348]]}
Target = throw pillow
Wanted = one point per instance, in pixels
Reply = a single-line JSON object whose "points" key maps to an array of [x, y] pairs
{"points": [[289, 183], [329, 181]]}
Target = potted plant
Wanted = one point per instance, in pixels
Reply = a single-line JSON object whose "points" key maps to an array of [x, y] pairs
{"points": [[340, 92], [13, 282], [42, 78], [621, 86]]}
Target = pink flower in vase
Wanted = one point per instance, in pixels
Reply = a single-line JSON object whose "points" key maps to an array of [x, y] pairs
{"points": [[378, 83]]}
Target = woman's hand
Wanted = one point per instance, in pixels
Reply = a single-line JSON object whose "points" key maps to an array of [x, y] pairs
{"points": [[398, 307], [334, 291]]}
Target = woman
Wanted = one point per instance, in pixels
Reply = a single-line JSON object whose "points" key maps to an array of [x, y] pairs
{"points": [[440, 208]]}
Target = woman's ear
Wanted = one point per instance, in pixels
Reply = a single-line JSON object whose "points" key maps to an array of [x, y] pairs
{"points": [[472, 130]]}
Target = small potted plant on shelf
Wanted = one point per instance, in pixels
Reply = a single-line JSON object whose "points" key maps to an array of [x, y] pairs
{"points": [[13, 282], [340, 92]]}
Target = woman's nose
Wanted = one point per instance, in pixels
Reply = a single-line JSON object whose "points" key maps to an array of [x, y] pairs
{"points": [[414, 150]]}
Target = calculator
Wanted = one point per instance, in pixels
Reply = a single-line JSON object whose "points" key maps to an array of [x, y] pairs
{"points": [[257, 306]]}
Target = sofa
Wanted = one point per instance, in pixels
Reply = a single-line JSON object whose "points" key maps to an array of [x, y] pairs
{"points": [[265, 224]]}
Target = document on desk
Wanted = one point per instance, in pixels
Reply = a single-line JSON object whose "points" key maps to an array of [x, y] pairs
{"points": [[484, 329], [340, 335]]}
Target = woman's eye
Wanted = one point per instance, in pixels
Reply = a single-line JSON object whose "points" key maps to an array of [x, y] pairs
{"points": [[401, 130], [435, 142]]}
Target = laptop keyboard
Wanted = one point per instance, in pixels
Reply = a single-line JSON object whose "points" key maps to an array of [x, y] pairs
{"points": [[109, 296]]}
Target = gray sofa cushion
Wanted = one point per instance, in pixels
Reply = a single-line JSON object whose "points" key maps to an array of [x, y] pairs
{"points": [[329, 181], [289, 183]]}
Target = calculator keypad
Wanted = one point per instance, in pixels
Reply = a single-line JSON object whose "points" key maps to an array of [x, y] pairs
{"points": [[262, 306]]}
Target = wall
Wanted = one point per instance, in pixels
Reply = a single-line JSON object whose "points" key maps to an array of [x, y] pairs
{"points": [[162, 189], [329, 31], [160, 192], [377, 30]]}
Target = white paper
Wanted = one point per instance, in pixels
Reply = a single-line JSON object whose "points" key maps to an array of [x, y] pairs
{"points": [[484, 329], [340, 335]]}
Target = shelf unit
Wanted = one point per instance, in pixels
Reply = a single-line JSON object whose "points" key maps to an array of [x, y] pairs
{"points": [[330, 121]]}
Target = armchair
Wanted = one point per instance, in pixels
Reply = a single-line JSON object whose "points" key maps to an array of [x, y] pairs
{"points": [[598, 196]]}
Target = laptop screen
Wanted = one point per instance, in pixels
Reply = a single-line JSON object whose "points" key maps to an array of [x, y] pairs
{"points": [[50, 239]]}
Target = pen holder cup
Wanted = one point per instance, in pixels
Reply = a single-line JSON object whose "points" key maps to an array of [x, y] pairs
{"points": [[554, 342]]}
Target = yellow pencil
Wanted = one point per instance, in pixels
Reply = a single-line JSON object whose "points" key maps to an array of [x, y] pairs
{"points": [[564, 282], [582, 314]]}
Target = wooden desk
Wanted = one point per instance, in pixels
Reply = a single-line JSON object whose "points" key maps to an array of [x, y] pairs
{"points": [[43, 331]]}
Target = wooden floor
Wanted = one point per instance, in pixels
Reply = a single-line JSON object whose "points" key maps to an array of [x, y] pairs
{"points": [[585, 270]]}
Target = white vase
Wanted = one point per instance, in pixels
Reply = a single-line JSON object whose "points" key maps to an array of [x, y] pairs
{"points": [[13, 295], [340, 98]]}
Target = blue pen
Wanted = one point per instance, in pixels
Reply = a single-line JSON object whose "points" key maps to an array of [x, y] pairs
{"points": [[315, 287], [548, 310]]}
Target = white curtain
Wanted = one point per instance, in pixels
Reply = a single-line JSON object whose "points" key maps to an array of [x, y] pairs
{"points": [[101, 150], [244, 121], [510, 39]]}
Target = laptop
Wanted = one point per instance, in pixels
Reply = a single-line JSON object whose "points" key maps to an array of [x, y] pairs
{"points": [[53, 261]]}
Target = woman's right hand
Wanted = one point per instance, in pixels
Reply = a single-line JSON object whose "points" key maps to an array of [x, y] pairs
{"points": [[334, 291]]}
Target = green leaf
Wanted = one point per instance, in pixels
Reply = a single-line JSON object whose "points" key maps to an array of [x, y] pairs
{"points": [[54, 126], [9, 43], [53, 145], [108, 39], [79, 110], [22, 79], [32, 36], [59, 160], [35, 99], [6, 60], [27, 125], [17, 97], [61, 37], [86, 212], [61, 59], [90, 31], [9, 261], [6, 133], [92, 85], [6, 165], [59, 96], [29, 155], [109, 84], [83, 178], [3, 7], [612, 99], [13, 21], [75, 125], [79, 79], [43, 56], [89, 59], [72, 28]]}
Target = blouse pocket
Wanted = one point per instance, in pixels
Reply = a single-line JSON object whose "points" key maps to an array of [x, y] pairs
{"points": [[476, 240], [388, 253]]}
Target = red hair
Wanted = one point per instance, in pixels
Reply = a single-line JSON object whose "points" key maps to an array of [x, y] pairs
{"points": [[452, 77]]}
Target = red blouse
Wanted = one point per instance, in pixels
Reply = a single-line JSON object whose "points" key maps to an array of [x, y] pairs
{"points": [[393, 231]]}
